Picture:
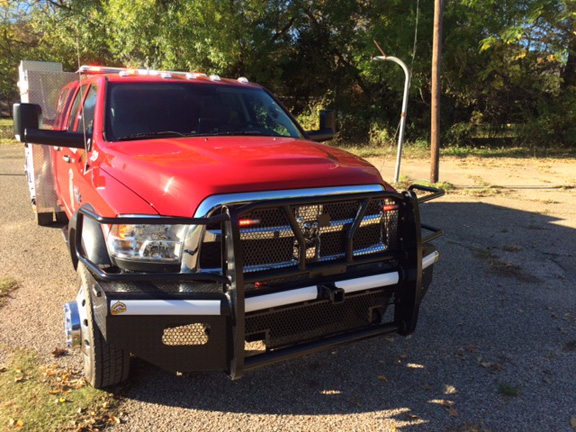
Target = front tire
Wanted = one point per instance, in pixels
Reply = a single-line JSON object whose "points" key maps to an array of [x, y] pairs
{"points": [[104, 364]]}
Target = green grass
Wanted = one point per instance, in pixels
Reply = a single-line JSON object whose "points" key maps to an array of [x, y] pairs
{"points": [[420, 150], [7, 286], [6, 130], [508, 390], [36, 397]]}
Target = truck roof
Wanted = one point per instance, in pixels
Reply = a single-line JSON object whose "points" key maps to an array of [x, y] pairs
{"points": [[147, 75]]}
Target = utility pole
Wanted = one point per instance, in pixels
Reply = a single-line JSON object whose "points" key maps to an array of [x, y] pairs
{"points": [[436, 56]]}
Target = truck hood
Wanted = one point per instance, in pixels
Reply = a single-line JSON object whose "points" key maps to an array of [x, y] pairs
{"points": [[175, 175]]}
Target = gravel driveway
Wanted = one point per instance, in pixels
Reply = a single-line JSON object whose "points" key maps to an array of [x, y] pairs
{"points": [[495, 347]]}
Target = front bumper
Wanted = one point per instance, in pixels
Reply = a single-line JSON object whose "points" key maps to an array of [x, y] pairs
{"points": [[192, 322]]}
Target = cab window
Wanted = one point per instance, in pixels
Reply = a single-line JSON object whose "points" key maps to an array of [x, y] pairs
{"points": [[86, 118], [75, 109]]}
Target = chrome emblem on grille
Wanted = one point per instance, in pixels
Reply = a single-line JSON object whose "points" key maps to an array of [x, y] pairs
{"points": [[311, 233]]}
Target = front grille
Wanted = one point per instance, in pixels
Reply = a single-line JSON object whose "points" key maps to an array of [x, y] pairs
{"points": [[269, 241], [317, 320]]}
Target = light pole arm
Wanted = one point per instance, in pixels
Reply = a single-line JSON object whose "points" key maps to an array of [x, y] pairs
{"points": [[404, 109]]}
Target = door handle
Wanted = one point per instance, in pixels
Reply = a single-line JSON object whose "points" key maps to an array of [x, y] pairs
{"points": [[67, 159]]}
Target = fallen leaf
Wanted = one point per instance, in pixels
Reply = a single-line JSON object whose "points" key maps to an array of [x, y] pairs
{"points": [[3, 369], [59, 352], [573, 422], [114, 419], [54, 392], [486, 365], [13, 422], [452, 411], [497, 367], [383, 378], [62, 400], [354, 400]]}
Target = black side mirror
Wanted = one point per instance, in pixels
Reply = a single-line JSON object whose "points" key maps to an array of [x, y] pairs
{"points": [[26, 116], [27, 123], [327, 127]]}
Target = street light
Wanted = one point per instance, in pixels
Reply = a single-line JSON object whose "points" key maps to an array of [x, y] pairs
{"points": [[396, 60]]}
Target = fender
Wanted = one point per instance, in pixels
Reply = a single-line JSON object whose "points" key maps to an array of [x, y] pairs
{"points": [[93, 240]]}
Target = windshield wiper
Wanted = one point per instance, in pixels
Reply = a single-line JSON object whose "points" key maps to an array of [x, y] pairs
{"points": [[145, 135]]}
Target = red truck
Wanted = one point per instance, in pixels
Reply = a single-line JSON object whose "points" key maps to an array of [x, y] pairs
{"points": [[209, 231]]}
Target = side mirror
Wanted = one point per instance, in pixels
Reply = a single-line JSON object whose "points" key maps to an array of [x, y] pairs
{"points": [[327, 127], [27, 122], [26, 116]]}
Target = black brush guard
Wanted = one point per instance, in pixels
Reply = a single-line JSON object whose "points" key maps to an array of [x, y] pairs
{"points": [[142, 335]]}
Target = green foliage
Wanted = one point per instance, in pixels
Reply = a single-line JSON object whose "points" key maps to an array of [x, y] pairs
{"points": [[504, 62]]}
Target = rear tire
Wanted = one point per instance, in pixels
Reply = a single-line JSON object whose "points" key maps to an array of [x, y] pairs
{"points": [[104, 364]]}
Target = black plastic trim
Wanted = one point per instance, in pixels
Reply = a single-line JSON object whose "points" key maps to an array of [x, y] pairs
{"points": [[408, 293]]}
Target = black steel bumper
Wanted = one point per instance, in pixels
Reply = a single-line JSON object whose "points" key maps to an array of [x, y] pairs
{"points": [[204, 321]]}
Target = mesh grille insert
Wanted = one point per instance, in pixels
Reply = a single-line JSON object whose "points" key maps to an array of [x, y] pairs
{"points": [[268, 241], [319, 319], [191, 334]]}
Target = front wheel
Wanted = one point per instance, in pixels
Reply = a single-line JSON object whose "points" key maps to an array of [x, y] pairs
{"points": [[104, 364]]}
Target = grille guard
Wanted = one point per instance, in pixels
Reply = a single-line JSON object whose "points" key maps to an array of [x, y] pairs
{"points": [[409, 292]]}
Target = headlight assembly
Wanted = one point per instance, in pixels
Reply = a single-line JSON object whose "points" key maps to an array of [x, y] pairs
{"points": [[146, 243]]}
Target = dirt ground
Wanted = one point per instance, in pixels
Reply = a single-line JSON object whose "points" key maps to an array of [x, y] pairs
{"points": [[495, 347]]}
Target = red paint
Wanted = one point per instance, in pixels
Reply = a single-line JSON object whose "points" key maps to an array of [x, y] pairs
{"points": [[172, 176]]}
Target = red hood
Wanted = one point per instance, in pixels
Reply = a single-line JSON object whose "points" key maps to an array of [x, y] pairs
{"points": [[175, 175]]}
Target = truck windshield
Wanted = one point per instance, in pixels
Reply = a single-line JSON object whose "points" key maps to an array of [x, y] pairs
{"points": [[173, 109]]}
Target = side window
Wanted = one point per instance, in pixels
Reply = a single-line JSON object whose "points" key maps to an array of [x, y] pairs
{"points": [[86, 118], [76, 108], [64, 96]]}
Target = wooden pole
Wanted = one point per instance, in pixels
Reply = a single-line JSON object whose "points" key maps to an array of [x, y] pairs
{"points": [[436, 57]]}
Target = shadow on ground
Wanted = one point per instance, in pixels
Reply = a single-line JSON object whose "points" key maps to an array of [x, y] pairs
{"points": [[496, 342]]}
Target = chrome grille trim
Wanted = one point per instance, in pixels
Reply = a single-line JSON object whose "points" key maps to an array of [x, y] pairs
{"points": [[272, 243], [214, 201], [195, 235]]}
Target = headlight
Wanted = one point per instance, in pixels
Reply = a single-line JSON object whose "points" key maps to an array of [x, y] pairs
{"points": [[146, 243]]}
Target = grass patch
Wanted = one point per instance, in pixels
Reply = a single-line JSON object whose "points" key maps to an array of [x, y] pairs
{"points": [[508, 390], [36, 397], [420, 150], [410, 151], [7, 285], [497, 265], [6, 131], [405, 182], [512, 248]]}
